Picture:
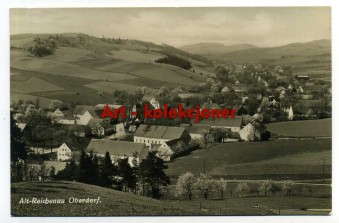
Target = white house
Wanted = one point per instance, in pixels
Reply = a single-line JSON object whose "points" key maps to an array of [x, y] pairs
{"points": [[233, 124], [64, 153]]}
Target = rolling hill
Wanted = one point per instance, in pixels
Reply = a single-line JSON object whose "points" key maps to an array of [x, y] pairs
{"points": [[112, 202], [312, 58], [87, 70], [211, 49]]}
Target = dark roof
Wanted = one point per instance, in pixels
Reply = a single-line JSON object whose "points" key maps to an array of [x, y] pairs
{"points": [[222, 122], [94, 121], [197, 129], [80, 109], [173, 142], [159, 132], [118, 148]]}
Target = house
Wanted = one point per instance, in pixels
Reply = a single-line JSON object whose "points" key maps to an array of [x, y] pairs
{"points": [[111, 106], [119, 132], [184, 97], [66, 120], [247, 133], [63, 117], [166, 149], [151, 134], [91, 114], [225, 90], [64, 153], [234, 124], [197, 131], [118, 150], [81, 109], [100, 128], [300, 89], [239, 88], [302, 77], [57, 113]]}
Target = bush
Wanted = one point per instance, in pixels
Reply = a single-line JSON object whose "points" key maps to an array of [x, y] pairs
{"points": [[176, 61]]}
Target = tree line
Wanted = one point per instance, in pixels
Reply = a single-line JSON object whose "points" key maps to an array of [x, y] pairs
{"points": [[145, 178], [189, 185]]}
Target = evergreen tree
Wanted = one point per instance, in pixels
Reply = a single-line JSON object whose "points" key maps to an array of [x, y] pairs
{"points": [[153, 173], [18, 146], [107, 171], [127, 174], [69, 173], [83, 167]]}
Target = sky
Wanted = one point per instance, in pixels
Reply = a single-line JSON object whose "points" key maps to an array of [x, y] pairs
{"points": [[263, 27]]}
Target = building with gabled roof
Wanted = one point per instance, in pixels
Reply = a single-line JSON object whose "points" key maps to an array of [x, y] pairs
{"points": [[153, 134], [197, 131], [234, 124], [81, 109], [118, 150]]}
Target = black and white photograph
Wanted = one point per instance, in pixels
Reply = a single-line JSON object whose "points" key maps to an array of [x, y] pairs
{"points": [[172, 111]]}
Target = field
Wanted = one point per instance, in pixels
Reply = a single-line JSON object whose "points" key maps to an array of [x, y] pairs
{"points": [[259, 160], [92, 74], [113, 203], [309, 128], [33, 85]]}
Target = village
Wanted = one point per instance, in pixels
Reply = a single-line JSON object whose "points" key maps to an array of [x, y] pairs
{"points": [[57, 135]]}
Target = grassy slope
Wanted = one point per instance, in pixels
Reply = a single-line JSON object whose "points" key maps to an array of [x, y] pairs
{"points": [[218, 158], [113, 203], [108, 67], [309, 128]]}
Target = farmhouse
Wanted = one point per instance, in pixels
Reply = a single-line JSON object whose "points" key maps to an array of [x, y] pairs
{"points": [[64, 153], [184, 97], [151, 134], [118, 150], [81, 109], [234, 124], [111, 106], [90, 114], [166, 149], [197, 131], [66, 120], [302, 77]]}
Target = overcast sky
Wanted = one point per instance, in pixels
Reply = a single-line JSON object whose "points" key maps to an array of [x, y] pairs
{"points": [[181, 26]]}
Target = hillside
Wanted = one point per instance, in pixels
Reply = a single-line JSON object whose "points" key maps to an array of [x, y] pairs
{"points": [[259, 160], [113, 203], [312, 58], [87, 70], [308, 128], [211, 49]]}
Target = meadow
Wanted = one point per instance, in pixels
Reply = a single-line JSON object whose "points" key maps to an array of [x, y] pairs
{"points": [[307, 128], [260, 160]]}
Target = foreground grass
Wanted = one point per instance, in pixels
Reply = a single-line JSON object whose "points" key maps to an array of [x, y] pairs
{"points": [[249, 205], [113, 203]]}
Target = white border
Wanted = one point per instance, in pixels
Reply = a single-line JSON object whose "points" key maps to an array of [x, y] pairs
{"points": [[4, 105]]}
